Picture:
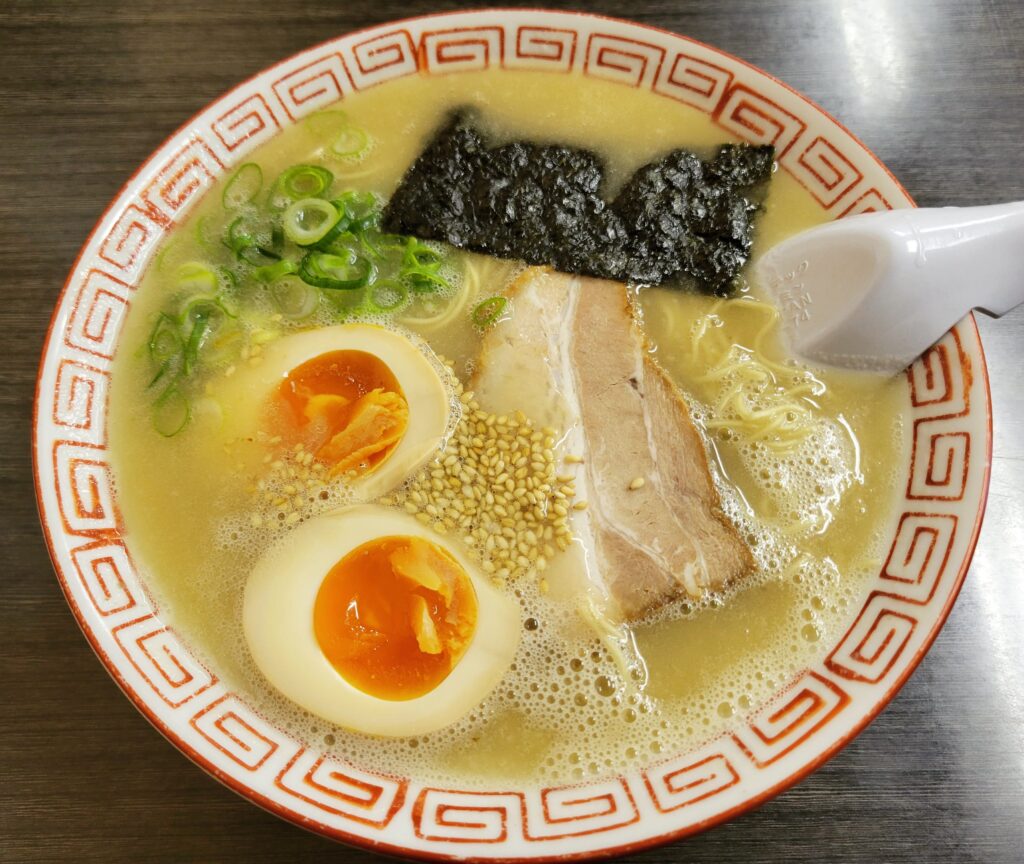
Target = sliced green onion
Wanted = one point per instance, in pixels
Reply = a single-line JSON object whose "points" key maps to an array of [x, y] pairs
{"points": [[389, 244], [323, 124], [352, 143], [348, 140], [201, 317], [228, 275], [345, 271], [309, 220], [305, 181], [386, 295], [167, 374], [257, 255], [370, 241], [171, 412], [206, 232], [339, 235], [426, 280], [294, 298], [200, 330], [275, 271], [241, 234], [243, 187], [361, 208], [164, 257], [487, 312], [165, 339], [196, 276], [418, 254], [225, 305], [205, 306]]}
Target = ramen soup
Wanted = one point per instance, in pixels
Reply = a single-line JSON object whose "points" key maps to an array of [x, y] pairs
{"points": [[466, 516]]}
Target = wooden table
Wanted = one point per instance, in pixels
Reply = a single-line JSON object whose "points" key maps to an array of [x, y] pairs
{"points": [[934, 87]]}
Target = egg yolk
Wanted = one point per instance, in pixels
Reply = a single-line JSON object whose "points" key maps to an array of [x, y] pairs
{"points": [[394, 616], [346, 408]]}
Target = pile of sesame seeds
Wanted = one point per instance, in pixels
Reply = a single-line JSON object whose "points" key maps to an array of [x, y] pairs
{"points": [[497, 487], [292, 486]]}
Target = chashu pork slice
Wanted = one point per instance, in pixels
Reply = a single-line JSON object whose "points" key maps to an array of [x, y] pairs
{"points": [[571, 356]]}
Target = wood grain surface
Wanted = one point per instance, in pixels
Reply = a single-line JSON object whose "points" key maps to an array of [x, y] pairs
{"points": [[87, 91]]}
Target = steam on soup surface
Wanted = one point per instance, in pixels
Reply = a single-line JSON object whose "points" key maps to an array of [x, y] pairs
{"points": [[327, 508]]}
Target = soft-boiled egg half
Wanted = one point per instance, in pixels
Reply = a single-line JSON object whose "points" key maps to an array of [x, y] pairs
{"points": [[365, 401], [367, 618]]}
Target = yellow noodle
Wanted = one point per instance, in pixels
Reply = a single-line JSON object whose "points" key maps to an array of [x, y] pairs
{"points": [[743, 374]]}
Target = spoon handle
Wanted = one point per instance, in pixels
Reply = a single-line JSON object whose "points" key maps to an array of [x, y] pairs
{"points": [[973, 256]]}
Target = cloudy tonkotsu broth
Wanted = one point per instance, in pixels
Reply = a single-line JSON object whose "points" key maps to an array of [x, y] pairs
{"points": [[814, 516]]}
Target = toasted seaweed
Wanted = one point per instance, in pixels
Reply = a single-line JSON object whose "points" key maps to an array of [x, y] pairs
{"points": [[679, 220]]}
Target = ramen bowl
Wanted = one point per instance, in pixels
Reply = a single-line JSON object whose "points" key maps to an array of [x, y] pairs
{"points": [[814, 714]]}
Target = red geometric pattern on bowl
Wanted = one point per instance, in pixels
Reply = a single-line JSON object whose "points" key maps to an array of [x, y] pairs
{"points": [[246, 125], [383, 57], [550, 48], [462, 49], [694, 81], [623, 60], [312, 86], [342, 790], [182, 179], [130, 242], [807, 721]]}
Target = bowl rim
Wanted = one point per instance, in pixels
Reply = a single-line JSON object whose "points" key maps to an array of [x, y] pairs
{"points": [[382, 847]]}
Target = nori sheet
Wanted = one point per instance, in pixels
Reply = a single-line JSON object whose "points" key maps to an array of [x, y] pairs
{"points": [[676, 221]]}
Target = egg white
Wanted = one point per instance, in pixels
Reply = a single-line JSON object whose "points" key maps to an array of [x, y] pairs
{"points": [[246, 393], [278, 623]]}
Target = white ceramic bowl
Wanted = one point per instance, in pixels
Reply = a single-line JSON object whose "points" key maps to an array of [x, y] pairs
{"points": [[814, 715]]}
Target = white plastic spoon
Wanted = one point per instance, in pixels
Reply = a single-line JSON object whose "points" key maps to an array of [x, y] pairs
{"points": [[875, 291]]}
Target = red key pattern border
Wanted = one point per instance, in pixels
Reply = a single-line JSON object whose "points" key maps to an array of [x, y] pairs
{"points": [[325, 789]]}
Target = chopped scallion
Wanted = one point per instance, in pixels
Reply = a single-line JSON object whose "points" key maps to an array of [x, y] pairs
{"points": [[171, 412], [165, 339], [257, 255], [275, 271], [308, 220], [243, 187], [348, 141], [352, 143], [196, 276], [344, 271], [324, 124], [294, 298], [305, 181], [419, 254], [200, 329], [206, 232], [167, 374], [241, 234], [487, 313], [425, 280], [362, 209], [386, 295]]}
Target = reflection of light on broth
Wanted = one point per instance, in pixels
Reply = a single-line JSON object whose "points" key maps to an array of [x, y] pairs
{"points": [[188, 502]]}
